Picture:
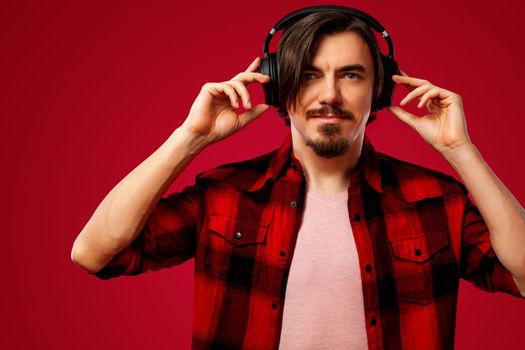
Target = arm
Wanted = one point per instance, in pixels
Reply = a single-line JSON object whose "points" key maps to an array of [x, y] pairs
{"points": [[123, 212], [444, 129]]}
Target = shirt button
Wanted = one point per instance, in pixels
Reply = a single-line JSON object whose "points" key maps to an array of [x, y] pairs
{"points": [[417, 252], [274, 306], [373, 321], [238, 235], [282, 253], [368, 268], [293, 204], [357, 217]]}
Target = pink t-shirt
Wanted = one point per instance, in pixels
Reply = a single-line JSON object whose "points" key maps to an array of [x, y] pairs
{"points": [[324, 306]]}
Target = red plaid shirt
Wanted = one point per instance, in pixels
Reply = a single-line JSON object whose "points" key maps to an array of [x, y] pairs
{"points": [[415, 229]]}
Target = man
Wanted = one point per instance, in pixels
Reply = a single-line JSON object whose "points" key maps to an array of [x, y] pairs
{"points": [[323, 243]]}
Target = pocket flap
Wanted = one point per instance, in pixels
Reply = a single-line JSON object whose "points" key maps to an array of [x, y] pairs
{"points": [[420, 248], [238, 231]]}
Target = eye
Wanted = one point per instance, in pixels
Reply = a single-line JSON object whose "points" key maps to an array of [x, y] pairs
{"points": [[309, 76], [351, 76]]}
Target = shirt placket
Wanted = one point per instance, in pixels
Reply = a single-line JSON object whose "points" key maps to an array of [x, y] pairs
{"points": [[367, 265], [292, 189]]}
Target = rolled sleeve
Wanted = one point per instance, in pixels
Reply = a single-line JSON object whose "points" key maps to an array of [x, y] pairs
{"points": [[168, 238], [479, 263]]}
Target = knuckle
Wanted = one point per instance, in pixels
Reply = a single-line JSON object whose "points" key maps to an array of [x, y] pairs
{"points": [[238, 84], [239, 76]]}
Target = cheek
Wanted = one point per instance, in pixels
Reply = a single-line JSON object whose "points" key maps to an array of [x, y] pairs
{"points": [[306, 96], [360, 99]]}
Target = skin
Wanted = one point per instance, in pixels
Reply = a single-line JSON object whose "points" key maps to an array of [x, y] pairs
{"points": [[333, 84], [122, 214], [214, 116], [444, 128]]}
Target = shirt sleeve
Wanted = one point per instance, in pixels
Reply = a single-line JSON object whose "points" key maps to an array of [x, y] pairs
{"points": [[167, 239], [479, 263]]}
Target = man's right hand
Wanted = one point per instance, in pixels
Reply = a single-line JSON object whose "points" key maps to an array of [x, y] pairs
{"points": [[213, 115], [120, 217]]}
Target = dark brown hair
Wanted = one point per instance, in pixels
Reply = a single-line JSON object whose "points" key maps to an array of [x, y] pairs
{"points": [[298, 43]]}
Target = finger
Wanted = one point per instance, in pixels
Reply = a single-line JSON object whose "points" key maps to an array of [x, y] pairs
{"points": [[250, 115], [254, 65], [230, 92], [410, 82], [406, 117], [396, 79], [242, 91], [416, 93], [432, 94], [251, 77]]}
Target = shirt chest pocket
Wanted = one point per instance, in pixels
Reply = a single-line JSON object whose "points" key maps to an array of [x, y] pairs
{"points": [[235, 248], [424, 267]]}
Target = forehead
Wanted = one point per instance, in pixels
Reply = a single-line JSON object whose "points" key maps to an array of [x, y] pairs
{"points": [[341, 49]]}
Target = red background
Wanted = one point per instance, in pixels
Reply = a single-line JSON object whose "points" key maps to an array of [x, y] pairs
{"points": [[91, 88]]}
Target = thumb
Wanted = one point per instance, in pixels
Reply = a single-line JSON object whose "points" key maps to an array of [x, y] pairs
{"points": [[406, 117], [251, 114]]}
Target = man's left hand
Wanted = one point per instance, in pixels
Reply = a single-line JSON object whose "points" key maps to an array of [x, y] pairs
{"points": [[444, 126]]}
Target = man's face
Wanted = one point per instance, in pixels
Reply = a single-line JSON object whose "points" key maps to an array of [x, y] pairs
{"points": [[336, 95]]}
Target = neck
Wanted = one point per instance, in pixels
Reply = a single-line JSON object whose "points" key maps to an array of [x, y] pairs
{"points": [[327, 175]]}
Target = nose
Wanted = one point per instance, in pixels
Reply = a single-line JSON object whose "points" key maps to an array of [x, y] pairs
{"points": [[330, 92]]}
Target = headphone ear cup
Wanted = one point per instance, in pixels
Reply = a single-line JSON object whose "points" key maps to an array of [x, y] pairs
{"points": [[385, 98], [269, 66]]}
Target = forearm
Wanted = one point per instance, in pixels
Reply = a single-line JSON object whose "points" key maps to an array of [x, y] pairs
{"points": [[123, 212], [504, 216]]}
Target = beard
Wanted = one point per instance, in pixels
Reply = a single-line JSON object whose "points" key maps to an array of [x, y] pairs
{"points": [[330, 144]]}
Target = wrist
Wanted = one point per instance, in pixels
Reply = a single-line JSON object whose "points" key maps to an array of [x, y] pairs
{"points": [[194, 143], [461, 155]]}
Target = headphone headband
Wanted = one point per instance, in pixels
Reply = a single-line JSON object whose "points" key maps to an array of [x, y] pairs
{"points": [[270, 65], [299, 14]]}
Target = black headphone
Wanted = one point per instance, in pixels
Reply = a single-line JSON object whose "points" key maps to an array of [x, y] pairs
{"points": [[270, 65]]}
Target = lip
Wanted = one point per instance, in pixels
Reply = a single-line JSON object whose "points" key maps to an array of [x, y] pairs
{"points": [[330, 118]]}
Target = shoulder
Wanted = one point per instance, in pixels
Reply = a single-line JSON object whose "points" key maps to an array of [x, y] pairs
{"points": [[416, 182], [248, 174]]}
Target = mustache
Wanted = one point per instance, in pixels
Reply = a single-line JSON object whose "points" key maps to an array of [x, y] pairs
{"points": [[333, 110]]}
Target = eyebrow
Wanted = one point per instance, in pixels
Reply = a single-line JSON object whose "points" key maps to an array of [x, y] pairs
{"points": [[350, 67]]}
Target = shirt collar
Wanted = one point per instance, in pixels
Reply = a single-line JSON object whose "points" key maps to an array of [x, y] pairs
{"points": [[368, 164], [255, 174]]}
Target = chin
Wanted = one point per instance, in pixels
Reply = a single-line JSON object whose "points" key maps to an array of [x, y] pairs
{"points": [[329, 146]]}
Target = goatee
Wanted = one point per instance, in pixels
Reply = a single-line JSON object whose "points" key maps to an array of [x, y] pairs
{"points": [[330, 144]]}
